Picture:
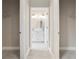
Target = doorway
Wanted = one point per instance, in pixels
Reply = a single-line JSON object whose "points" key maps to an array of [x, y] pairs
{"points": [[39, 27], [41, 31]]}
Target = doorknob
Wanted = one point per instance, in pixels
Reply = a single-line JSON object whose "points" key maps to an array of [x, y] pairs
{"points": [[19, 32]]}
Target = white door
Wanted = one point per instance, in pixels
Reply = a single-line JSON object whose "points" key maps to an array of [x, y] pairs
{"points": [[39, 27], [24, 28]]}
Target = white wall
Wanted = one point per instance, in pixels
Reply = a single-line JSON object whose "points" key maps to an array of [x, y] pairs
{"points": [[39, 3]]}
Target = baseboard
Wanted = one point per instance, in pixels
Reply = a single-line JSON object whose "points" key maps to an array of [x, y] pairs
{"points": [[17, 48], [68, 48], [10, 48]]}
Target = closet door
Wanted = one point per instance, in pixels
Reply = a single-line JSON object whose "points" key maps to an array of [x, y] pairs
{"points": [[24, 28], [54, 28]]}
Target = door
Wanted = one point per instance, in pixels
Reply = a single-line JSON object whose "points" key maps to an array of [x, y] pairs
{"points": [[24, 29]]}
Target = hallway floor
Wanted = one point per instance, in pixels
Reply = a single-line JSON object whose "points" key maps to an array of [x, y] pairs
{"points": [[38, 54], [14, 54]]}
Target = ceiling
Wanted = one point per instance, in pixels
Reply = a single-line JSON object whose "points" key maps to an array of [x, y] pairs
{"points": [[39, 3]]}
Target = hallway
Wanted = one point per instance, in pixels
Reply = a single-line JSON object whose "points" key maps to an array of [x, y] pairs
{"points": [[16, 30], [39, 54]]}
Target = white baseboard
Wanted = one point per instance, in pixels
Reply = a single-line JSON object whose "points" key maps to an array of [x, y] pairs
{"points": [[17, 48]]}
